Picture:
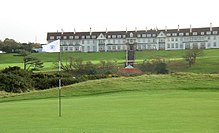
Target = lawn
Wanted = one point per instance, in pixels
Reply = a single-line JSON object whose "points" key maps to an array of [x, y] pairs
{"points": [[127, 112], [148, 103], [205, 64]]}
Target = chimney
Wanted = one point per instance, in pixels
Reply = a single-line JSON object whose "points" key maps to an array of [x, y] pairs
{"points": [[106, 30], [136, 29], [74, 31], [126, 30], [210, 26], [166, 28], [178, 27], [146, 29], [190, 28], [90, 31]]}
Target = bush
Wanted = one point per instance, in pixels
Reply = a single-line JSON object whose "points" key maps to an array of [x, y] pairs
{"points": [[14, 83], [156, 65]]}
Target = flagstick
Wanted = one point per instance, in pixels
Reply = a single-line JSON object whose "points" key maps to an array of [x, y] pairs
{"points": [[60, 104]]}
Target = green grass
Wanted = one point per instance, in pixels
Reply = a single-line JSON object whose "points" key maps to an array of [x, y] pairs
{"points": [[205, 64], [148, 103]]}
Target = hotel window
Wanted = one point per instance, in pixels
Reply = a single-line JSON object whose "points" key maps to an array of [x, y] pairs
{"points": [[82, 37], [209, 44], [209, 38], [119, 36], [64, 37], [187, 34], [214, 37], [76, 37], [214, 32], [181, 45], [172, 45], [71, 37], [180, 34], [208, 33], [87, 37], [88, 48], [194, 33], [51, 37], [58, 37], [168, 34], [168, 45], [148, 35], [114, 47], [123, 36], [154, 35], [143, 35], [114, 41], [94, 48], [177, 46], [172, 39], [174, 34], [109, 41], [109, 36], [93, 37], [82, 41], [139, 35], [113, 36], [176, 39], [215, 44], [118, 47], [202, 33]]}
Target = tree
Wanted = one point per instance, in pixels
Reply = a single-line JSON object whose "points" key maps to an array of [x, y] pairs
{"points": [[30, 61], [192, 54], [33, 62]]}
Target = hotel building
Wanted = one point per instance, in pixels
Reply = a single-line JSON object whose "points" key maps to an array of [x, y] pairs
{"points": [[166, 39]]}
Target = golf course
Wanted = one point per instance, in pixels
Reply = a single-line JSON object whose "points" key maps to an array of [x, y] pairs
{"points": [[184, 101]]}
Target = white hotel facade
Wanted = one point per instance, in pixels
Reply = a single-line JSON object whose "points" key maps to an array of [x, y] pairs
{"points": [[167, 39]]}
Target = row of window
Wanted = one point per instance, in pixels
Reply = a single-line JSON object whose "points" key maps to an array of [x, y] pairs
{"points": [[131, 35]]}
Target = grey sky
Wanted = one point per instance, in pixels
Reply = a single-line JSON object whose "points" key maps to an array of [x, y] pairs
{"points": [[30, 20]]}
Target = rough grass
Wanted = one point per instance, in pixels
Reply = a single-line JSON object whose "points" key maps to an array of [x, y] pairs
{"points": [[149, 103], [176, 81]]}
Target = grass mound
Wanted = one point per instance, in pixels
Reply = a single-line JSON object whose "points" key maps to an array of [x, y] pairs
{"points": [[176, 81]]}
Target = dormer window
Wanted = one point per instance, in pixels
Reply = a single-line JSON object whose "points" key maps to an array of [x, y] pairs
{"points": [[139, 35], [123, 36], [174, 34], [76, 37], [82, 37], [93, 37], [64, 37], [154, 35], [113, 36], [119, 36], [143, 35], [109, 36], [58, 37], [202, 33], [187, 34], [181, 34], [194, 33], [148, 35], [88, 37], [168, 34], [214, 32], [131, 34], [51, 37], [208, 33]]}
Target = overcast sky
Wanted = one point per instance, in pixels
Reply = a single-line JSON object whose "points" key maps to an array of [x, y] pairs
{"points": [[30, 20]]}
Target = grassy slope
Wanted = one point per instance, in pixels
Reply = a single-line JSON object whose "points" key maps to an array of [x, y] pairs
{"points": [[205, 64], [141, 83], [149, 103]]}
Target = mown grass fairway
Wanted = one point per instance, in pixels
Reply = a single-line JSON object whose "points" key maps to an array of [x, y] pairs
{"points": [[149, 103], [208, 63]]}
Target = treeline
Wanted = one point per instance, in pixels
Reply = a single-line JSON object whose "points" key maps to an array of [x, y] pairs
{"points": [[11, 46]]}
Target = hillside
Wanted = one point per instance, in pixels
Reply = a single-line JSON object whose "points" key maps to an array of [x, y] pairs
{"points": [[178, 81], [205, 64]]}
